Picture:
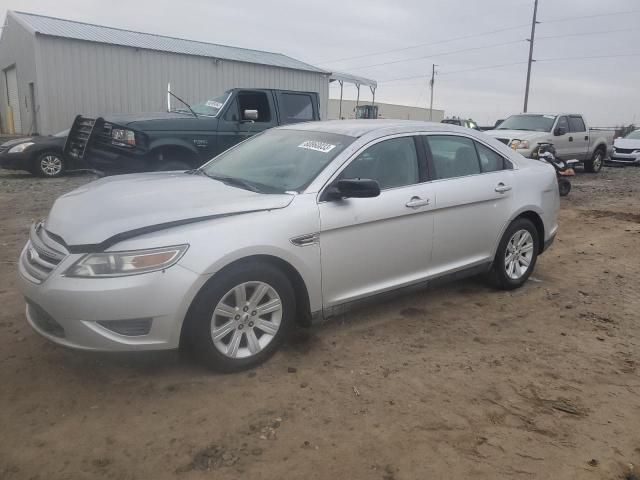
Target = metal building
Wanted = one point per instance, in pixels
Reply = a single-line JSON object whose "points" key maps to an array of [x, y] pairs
{"points": [[385, 110], [54, 69]]}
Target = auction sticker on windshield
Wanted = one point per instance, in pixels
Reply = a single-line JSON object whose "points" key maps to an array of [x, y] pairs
{"points": [[213, 104], [317, 146]]}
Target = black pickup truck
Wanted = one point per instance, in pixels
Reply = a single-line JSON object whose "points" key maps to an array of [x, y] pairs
{"points": [[184, 138]]}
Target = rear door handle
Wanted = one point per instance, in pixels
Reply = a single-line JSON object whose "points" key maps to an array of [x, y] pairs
{"points": [[586, 137], [571, 139], [502, 188], [417, 202]]}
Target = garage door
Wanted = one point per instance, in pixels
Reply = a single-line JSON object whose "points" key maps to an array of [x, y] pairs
{"points": [[14, 99]]}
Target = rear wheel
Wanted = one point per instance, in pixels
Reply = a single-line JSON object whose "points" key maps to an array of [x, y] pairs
{"points": [[240, 319], [49, 165], [595, 164], [516, 255]]}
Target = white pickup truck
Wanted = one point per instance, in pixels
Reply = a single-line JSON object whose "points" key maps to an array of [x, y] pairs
{"points": [[568, 132]]}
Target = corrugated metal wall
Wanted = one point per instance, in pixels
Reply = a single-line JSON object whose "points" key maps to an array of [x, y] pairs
{"points": [[93, 79], [17, 47]]}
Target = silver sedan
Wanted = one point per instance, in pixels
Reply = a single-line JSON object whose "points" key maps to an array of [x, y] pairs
{"points": [[291, 226]]}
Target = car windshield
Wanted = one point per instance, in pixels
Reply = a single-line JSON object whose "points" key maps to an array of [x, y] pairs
{"points": [[535, 123], [277, 161], [635, 135], [210, 107]]}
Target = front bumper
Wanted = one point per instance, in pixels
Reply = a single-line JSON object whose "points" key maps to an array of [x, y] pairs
{"points": [[15, 161], [625, 158], [84, 313]]}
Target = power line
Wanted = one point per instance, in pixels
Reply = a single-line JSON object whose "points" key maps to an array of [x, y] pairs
{"points": [[423, 57], [500, 44], [570, 19], [500, 65], [464, 37], [634, 29]]}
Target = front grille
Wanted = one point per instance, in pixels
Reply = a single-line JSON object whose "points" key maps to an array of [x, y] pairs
{"points": [[506, 141], [4, 148], [79, 137], [42, 254], [44, 321], [625, 150]]}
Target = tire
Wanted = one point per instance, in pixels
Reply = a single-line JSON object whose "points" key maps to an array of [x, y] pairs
{"points": [[49, 165], [508, 276], [240, 325], [595, 164], [564, 187]]}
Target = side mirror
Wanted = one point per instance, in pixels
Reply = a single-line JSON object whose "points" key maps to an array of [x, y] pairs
{"points": [[251, 115], [560, 131], [354, 188]]}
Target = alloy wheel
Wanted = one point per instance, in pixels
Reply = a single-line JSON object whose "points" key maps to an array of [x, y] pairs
{"points": [[597, 161], [246, 319], [51, 165], [519, 254]]}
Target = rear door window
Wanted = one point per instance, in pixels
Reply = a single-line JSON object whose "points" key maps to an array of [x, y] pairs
{"points": [[490, 161], [295, 107], [453, 156], [576, 124]]}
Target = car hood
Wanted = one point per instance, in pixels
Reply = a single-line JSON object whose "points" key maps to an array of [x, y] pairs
{"points": [[113, 208], [521, 135], [125, 119], [626, 143], [17, 141], [38, 140]]}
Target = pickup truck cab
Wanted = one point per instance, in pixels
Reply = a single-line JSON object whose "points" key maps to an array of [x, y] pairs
{"points": [[186, 137], [568, 132]]}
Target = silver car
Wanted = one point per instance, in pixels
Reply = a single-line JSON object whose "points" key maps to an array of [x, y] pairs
{"points": [[291, 226]]}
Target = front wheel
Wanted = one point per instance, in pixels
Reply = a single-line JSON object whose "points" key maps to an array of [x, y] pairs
{"points": [[595, 164], [49, 165], [241, 317], [564, 187], [516, 255]]}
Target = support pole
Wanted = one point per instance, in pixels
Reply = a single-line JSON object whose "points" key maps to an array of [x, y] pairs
{"points": [[531, 60], [340, 113], [433, 79]]}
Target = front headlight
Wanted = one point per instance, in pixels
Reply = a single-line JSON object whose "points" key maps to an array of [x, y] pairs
{"points": [[523, 144], [122, 136], [120, 264], [20, 148]]}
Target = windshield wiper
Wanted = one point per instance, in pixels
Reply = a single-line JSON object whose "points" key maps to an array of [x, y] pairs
{"points": [[235, 182], [188, 106]]}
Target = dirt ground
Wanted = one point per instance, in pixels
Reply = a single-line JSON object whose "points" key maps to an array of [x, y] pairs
{"points": [[457, 382]]}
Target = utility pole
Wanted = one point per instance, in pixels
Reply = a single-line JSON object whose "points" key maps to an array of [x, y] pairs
{"points": [[531, 60], [433, 79]]}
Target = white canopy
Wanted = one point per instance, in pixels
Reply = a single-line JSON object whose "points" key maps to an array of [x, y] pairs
{"points": [[341, 78]]}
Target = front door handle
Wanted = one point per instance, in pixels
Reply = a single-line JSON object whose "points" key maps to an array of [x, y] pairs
{"points": [[502, 188], [417, 202]]}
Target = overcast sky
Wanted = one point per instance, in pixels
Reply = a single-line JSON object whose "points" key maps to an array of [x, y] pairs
{"points": [[323, 33]]}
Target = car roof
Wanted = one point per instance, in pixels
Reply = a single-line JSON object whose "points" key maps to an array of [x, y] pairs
{"points": [[358, 128]]}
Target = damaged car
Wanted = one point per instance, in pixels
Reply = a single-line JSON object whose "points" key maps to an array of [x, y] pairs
{"points": [[292, 226]]}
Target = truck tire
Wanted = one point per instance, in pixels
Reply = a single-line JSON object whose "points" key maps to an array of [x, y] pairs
{"points": [[597, 160], [172, 165]]}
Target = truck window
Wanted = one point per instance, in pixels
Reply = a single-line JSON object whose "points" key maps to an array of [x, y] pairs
{"points": [[562, 122], [255, 101], [576, 124], [296, 107]]}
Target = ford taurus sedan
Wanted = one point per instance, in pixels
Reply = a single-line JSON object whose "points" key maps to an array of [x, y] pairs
{"points": [[291, 226]]}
